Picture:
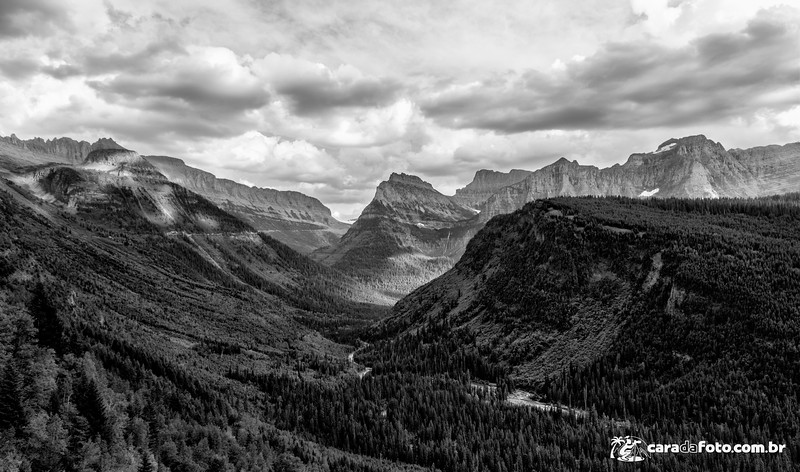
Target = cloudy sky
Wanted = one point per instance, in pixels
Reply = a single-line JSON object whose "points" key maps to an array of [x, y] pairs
{"points": [[329, 97]]}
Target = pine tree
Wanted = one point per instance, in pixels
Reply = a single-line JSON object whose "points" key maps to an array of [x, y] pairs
{"points": [[12, 414], [46, 320], [147, 464], [92, 405]]}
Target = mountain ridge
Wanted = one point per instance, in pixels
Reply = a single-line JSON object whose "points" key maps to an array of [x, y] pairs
{"points": [[70, 150], [688, 167], [296, 219], [293, 218]]}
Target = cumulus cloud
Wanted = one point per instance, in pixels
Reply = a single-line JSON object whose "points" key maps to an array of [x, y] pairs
{"points": [[282, 160], [274, 162], [207, 79], [347, 128], [638, 85]]}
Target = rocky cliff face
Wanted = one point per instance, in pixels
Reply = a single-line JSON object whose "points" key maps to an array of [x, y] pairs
{"points": [[486, 183], [408, 235], [65, 150], [773, 169], [297, 220], [691, 167]]}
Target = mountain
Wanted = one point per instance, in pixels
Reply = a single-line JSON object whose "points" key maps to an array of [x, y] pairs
{"points": [[407, 235], [118, 188], [64, 150], [690, 167], [120, 192], [410, 200], [565, 281], [655, 316], [300, 221], [486, 183]]}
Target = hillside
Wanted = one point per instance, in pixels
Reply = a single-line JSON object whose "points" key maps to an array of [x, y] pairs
{"points": [[558, 281], [575, 293]]}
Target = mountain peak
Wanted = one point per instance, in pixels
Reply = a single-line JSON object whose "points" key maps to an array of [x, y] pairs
{"points": [[412, 200], [409, 179], [106, 143], [111, 155], [689, 142], [563, 163]]}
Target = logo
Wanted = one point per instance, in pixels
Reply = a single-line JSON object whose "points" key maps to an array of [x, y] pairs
{"points": [[629, 449]]}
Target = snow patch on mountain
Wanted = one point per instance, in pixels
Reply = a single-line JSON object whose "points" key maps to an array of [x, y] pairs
{"points": [[665, 148]]}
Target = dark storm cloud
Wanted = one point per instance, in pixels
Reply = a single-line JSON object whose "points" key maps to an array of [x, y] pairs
{"points": [[310, 97], [638, 85], [182, 92], [31, 17], [161, 130]]}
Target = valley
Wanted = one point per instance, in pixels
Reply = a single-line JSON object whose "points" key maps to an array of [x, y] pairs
{"points": [[205, 344], [399, 236]]}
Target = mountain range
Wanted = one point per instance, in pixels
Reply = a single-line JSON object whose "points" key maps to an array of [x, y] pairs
{"points": [[410, 233]]}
